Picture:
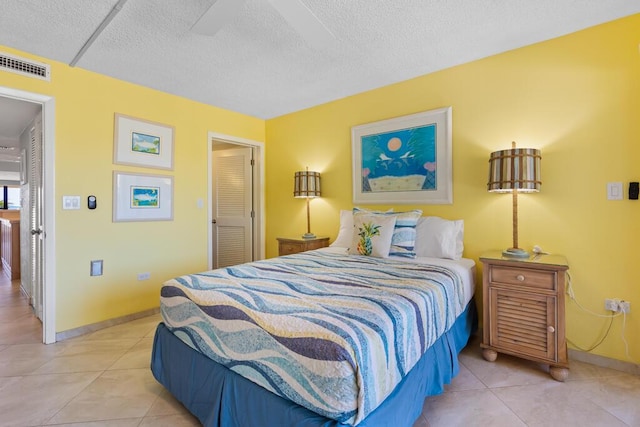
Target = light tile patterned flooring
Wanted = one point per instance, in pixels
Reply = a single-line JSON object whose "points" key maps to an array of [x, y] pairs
{"points": [[103, 379]]}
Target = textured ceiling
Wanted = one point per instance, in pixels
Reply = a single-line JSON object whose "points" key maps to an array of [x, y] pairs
{"points": [[15, 116], [258, 65]]}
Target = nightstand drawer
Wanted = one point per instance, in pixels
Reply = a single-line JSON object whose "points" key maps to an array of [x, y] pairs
{"points": [[316, 244], [289, 248], [538, 279]]}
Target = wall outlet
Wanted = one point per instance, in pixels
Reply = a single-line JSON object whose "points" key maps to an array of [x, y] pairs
{"points": [[624, 306], [611, 304], [144, 276], [617, 305]]}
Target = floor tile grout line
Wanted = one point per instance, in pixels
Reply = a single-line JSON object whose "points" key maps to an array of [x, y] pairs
{"points": [[46, 423], [152, 404], [586, 380], [123, 355], [596, 381], [507, 405], [472, 373]]}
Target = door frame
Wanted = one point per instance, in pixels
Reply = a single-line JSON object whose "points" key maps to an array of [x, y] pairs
{"points": [[48, 200], [258, 195]]}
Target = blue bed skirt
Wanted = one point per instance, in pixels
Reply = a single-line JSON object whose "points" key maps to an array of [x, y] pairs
{"points": [[219, 397]]}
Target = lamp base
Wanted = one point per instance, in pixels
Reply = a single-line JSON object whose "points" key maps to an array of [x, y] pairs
{"points": [[308, 236], [515, 253]]}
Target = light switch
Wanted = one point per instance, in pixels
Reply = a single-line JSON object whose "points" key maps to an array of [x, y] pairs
{"points": [[70, 202], [614, 191]]}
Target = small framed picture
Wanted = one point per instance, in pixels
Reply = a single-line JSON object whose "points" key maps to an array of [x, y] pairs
{"points": [[142, 197], [142, 143]]}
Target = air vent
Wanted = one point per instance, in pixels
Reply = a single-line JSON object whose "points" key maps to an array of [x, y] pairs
{"points": [[26, 67]]}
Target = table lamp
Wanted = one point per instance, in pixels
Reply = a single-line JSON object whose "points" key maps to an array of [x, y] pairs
{"points": [[514, 171], [307, 184]]}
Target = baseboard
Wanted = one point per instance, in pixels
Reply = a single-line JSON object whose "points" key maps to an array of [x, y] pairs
{"points": [[82, 330], [605, 362], [26, 294]]}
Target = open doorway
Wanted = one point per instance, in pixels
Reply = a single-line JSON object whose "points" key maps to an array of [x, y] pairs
{"points": [[36, 215], [236, 195]]}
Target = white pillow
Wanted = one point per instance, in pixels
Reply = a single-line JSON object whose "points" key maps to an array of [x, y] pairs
{"points": [[439, 238], [372, 234], [345, 233]]}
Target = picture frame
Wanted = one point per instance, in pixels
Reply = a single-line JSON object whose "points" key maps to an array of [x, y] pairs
{"points": [[144, 143], [404, 160], [142, 197]]}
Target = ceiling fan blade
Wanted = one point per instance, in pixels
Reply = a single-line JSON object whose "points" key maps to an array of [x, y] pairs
{"points": [[302, 19], [217, 16]]}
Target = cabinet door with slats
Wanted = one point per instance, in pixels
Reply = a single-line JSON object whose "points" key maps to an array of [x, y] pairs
{"points": [[523, 323]]}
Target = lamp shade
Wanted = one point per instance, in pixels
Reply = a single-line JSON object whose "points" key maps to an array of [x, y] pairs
{"points": [[515, 169], [306, 184]]}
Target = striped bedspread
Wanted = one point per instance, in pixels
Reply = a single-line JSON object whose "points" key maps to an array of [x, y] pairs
{"points": [[333, 333]]}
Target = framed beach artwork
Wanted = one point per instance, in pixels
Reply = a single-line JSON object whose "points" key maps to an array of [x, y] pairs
{"points": [[142, 197], [404, 160], [142, 143]]}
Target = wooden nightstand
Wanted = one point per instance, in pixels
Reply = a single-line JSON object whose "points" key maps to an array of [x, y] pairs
{"points": [[287, 246], [524, 309]]}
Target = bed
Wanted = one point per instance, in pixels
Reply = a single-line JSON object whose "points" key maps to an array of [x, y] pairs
{"points": [[321, 338]]}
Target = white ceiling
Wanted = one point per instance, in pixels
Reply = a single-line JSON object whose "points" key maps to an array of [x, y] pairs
{"points": [[15, 116], [258, 65]]}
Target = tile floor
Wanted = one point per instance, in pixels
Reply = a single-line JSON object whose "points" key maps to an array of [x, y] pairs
{"points": [[103, 379]]}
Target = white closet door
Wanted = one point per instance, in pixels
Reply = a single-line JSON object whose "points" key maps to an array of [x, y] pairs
{"points": [[232, 207]]}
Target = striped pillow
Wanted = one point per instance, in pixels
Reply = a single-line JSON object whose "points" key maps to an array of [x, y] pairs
{"points": [[403, 241]]}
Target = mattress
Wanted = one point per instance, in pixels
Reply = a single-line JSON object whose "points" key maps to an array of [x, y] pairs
{"points": [[330, 332]]}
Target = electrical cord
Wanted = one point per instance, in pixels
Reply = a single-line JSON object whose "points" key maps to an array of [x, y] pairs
{"points": [[624, 339], [572, 296], [537, 250], [593, 347]]}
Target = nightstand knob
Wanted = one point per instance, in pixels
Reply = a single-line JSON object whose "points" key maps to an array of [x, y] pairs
{"points": [[520, 278], [551, 329]]}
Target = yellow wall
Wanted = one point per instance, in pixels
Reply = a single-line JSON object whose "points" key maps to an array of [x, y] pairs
{"points": [[577, 98], [85, 107]]}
